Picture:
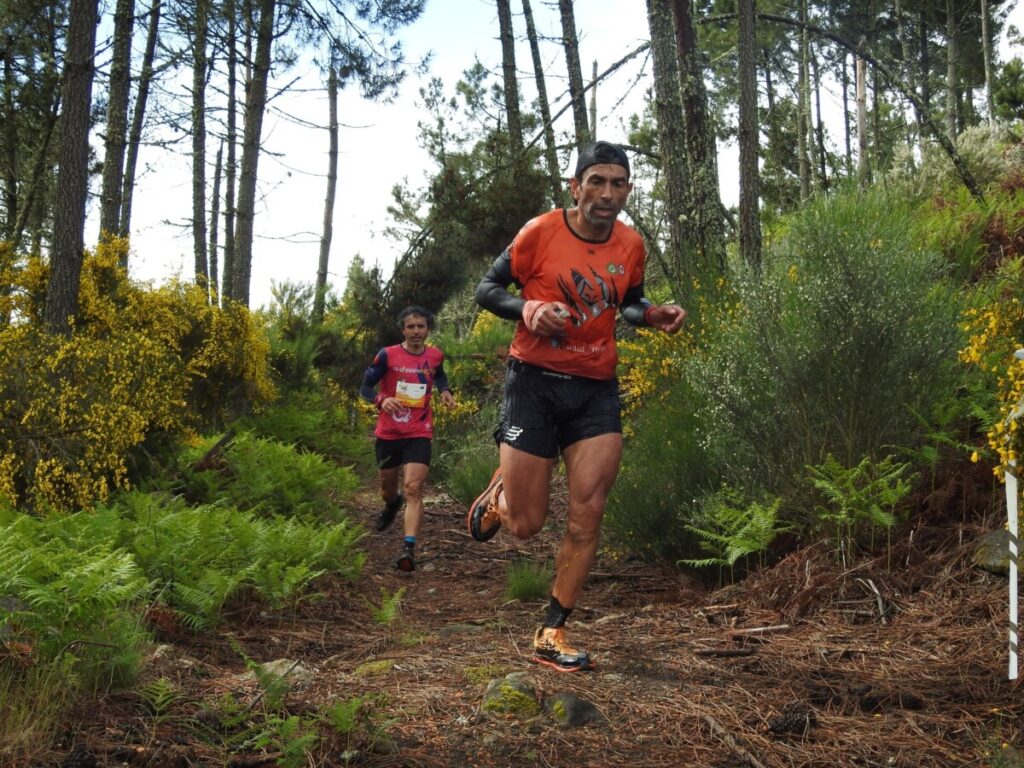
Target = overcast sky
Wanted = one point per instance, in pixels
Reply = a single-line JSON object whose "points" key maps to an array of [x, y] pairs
{"points": [[379, 143]]}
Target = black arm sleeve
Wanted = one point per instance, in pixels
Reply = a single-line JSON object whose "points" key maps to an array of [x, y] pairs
{"points": [[441, 378], [492, 292], [634, 305]]}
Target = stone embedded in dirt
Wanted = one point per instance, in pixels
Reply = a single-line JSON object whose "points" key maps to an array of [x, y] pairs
{"points": [[287, 669], [571, 711], [992, 552], [514, 694]]}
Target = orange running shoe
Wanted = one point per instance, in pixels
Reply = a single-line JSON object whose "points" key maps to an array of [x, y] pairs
{"points": [[551, 649], [483, 519]]}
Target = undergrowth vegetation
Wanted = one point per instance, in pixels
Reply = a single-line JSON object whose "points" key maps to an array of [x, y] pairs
{"points": [[170, 462]]}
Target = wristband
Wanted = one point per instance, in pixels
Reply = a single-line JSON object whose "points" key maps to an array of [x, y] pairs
{"points": [[379, 400], [647, 315]]}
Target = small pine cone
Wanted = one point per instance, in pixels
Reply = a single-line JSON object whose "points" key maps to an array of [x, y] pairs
{"points": [[796, 717]]}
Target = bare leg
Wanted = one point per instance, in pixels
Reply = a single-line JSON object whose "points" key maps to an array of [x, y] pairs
{"points": [[389, 483], [526, 479], [591, 466], [415, 476]]}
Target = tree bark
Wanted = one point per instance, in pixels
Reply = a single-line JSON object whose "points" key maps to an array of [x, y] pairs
{"points": [[320, 296], [510, 77], [138, 118], [570, 43], [117, 117], [201, 271], [255, 106], [750, 179], [952, 64], [803, 108], [73, 169], [986, 48], [213, 284], [550, 154], [231, 164], [668, 109], [708, 222], [863, 169]]}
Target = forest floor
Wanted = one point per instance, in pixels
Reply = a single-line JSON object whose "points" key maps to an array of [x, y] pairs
{"points": [[899, 660]]}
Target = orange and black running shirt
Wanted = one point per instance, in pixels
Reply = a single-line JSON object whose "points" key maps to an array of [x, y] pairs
{"points": [[552, 263]]}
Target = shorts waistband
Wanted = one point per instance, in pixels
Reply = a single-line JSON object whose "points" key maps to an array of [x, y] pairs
{"points": [[520, 367]]}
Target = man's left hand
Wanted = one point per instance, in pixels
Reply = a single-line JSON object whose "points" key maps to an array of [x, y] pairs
{"points": [[666, 317]]}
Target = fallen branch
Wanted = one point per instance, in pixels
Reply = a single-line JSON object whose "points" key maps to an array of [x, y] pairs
{"points": [[759, 630], [724, 735]]}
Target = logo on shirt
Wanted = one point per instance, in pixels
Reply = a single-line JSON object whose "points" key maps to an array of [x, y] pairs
{"points": [[512, 433]]}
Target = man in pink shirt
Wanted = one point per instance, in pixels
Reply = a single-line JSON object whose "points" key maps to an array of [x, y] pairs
{"points": [[408, 373]]}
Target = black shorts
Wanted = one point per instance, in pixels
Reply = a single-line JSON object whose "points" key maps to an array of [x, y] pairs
{"points": [[545, 411], [407, 450]]}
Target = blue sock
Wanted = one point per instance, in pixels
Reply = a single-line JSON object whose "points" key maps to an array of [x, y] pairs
{"points": [[410, 541]]}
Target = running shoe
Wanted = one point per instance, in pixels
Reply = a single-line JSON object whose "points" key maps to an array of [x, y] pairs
{"points": [[551, 649], [387, 515], [483, 519], [407, 560]]}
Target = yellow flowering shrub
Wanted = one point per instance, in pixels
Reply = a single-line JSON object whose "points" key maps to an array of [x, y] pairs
{"points": [[138, 360], [996, 331]]}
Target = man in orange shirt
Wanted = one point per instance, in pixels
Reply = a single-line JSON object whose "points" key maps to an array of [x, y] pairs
{"points": [[574, 268]]}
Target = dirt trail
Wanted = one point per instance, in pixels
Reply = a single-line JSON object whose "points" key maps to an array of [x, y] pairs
{"points": [[877, 666]]}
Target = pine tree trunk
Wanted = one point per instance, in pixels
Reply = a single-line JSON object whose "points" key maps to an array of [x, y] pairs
{"points": [[509, 77], [231, 163], [750, 178], [201, 269], [803, 109], [255, 106], [550, 153], [708, 221], [668, 108], [319, 298], [909, 74], [73, 169], [847, 122], [952, 63], [10, 140], [218, 169], [117, 117], [820, 153], [863, 169], [986, 48], [570, 43], [138, 117]]}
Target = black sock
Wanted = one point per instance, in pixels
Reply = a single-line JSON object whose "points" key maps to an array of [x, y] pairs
{"points": [[557, 614]]}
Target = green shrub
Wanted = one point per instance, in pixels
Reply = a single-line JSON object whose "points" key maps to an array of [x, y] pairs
{"points": [[850, 332], [669, 462]]}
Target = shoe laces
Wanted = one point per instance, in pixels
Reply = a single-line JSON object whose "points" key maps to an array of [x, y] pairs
{"points": [[554, 638]]}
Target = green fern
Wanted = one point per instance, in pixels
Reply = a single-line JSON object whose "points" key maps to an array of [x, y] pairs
{"points": [[734, 530], [859, 499], [390, 607]]}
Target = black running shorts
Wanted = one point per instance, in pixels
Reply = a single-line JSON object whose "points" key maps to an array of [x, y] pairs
{"points": [[545, 411], [408, 450]]}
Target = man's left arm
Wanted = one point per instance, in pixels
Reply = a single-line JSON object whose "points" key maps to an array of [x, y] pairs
{"points": [[441, 385], [638, 310]]}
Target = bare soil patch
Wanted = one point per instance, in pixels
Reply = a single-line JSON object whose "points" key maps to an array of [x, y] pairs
{"points": [[898, 661]]}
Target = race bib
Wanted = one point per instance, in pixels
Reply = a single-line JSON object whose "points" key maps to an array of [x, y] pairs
{"points": [[412, 394]]}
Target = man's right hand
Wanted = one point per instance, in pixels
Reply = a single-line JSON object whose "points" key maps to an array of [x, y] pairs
{"points": [[545, 318]]}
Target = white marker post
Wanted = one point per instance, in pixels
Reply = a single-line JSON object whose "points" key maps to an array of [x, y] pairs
{"points": [[1011, 525]]}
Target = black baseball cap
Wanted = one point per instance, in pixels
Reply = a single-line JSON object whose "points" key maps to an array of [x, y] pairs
{"points": [[600, 153]]}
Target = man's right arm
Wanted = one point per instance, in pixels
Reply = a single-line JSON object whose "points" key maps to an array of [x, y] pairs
{"points": [[492, 293]]}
